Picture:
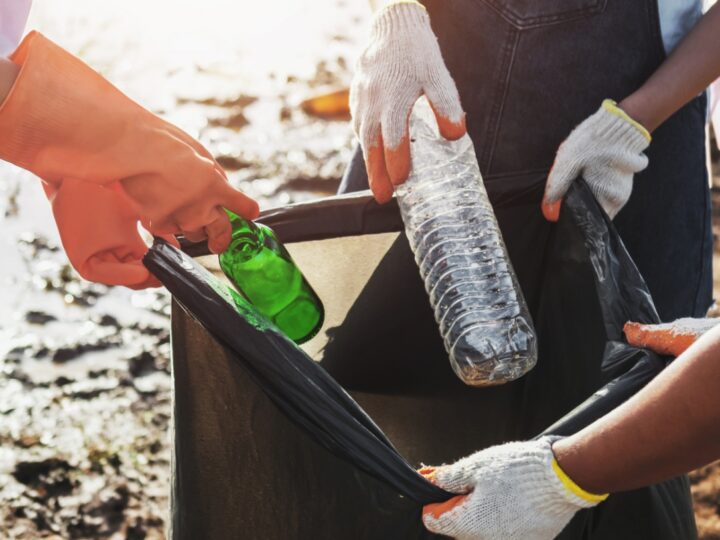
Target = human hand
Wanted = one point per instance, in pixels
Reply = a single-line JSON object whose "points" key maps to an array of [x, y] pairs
{"points": [[606, 150], [513, 491], [63, 120], [401, 62], [184, 190], [99, 231]]}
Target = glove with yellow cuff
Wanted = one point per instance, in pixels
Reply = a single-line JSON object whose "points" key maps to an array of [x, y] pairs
{"points": [[606, 150], [511, 491]]}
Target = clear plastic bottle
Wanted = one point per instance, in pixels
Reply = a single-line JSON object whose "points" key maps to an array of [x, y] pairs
{"points": [[459, 249]]}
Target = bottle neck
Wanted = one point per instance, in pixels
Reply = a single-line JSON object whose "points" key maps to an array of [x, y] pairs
{"points": [[247, 238], [244, 247]]}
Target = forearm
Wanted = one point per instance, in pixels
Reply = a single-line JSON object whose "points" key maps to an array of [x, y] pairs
{"points": [[671, 427], [8, 74], [691, 68]]}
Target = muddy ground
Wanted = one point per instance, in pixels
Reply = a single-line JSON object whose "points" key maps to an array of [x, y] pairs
{"points": [[84, 369]]}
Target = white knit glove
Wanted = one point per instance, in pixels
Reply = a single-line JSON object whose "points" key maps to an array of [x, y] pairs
{"points": [[401, 62], [516, 491], [606, 150]]}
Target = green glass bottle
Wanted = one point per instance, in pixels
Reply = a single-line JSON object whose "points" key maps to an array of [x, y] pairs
{"points": [[261, 269]]}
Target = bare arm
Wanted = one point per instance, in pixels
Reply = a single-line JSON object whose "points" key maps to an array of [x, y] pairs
{"points": [[8, 73], [691, 68], [671, 427]]}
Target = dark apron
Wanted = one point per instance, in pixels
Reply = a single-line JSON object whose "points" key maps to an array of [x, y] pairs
{"points": [[528, 72]]}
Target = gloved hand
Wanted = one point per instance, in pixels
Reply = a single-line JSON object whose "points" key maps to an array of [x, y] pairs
{"points": [[63, 120], [607, 150], [514, 491], [98, 229], [401, 62], [668, 338]]}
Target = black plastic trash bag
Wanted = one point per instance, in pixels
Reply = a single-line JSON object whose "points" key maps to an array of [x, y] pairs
{"points": [[267, 443]]}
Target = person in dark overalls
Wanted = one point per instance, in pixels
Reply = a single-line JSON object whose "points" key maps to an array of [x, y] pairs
{"points": [[551, 92], [526, 74]]}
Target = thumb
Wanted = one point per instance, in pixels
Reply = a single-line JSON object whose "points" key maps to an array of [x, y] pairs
{"points": [[106, 268], [563, 173]]}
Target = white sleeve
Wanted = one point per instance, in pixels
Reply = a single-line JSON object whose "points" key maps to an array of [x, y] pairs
{"points": [[715, 109], [13, 16]]}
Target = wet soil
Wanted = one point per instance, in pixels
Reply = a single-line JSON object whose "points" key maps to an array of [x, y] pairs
{"points": [[85, 388], [706, 494]]}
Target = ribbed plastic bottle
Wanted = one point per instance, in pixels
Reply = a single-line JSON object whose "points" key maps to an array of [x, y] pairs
{"points": [[262, 270], [459, 249]]}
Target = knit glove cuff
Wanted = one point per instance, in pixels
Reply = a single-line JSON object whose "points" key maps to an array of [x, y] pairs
{"points": [[565, 485], [513, 491], [615, 125]]}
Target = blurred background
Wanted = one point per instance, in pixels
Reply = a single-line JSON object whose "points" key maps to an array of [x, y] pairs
{"points": [[84, 369], [84, 375]]}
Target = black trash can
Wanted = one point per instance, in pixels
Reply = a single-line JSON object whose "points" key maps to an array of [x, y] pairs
{"points": [[245, 468]]}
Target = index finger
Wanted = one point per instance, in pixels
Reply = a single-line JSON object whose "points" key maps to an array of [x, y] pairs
{"points": [[237, 202]]}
